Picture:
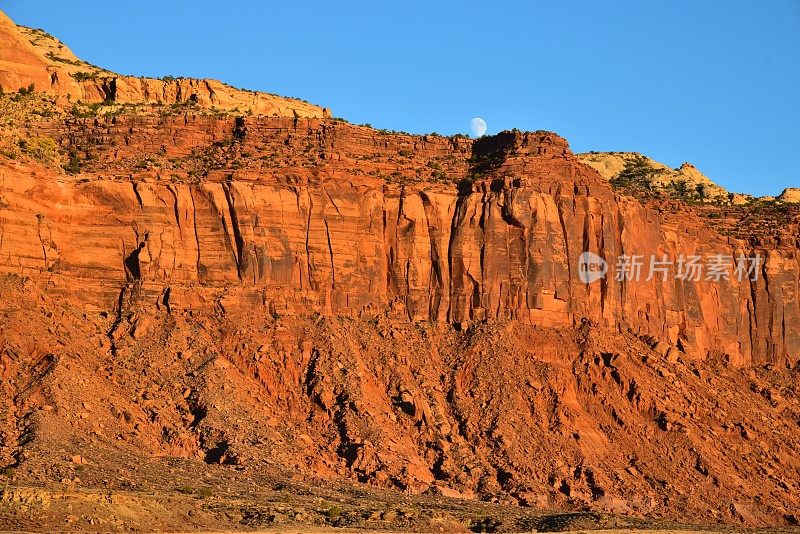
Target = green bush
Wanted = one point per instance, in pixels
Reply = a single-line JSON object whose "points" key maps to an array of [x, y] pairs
{"points": [[85, 111], [74, 165], [637, 171], [41, 148], [83, 76], [333, 512], [58, 59], [680, 188], [25, 91]]}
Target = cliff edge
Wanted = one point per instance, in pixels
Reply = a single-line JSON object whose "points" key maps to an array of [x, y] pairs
{"points": [[33, 58]]}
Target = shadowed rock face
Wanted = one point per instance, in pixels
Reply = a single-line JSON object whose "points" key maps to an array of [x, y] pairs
{"points": [[341, 236]]}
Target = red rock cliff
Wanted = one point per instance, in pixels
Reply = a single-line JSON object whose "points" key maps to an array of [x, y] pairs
{"points": [[259, 283], [29, 56], [297, 216]]}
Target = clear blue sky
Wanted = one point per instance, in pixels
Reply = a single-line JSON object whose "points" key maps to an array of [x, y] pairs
{"points": [[716, 83]]}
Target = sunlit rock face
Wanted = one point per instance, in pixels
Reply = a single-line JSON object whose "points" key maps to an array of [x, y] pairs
{"points": [[315, 216], [213, 284]]}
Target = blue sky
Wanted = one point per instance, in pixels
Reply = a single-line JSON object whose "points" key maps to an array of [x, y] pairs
{"points": [[711, 82]]}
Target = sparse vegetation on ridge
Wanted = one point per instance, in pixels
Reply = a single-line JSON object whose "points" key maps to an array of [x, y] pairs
{"points": [[84, 76]]}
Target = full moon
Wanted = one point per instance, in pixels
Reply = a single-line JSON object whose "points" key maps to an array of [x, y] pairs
{"points": [[478, 126]]}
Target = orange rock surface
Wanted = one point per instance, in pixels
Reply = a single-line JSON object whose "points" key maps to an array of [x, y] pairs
{"points": [[341, 223], [405, 311], [34, 57]]}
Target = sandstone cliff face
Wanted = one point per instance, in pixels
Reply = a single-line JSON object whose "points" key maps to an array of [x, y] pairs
{"points": [[20, 64], [349, 233]]}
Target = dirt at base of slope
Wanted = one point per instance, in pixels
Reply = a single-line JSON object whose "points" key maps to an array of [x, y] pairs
{"points": [[222, 501], [142, 401]]}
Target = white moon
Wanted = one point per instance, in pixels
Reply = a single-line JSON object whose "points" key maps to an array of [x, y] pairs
{"points": [[478, 126]]}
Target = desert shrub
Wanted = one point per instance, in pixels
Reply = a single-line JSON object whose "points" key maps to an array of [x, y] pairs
{"points": [[40, 148], [200, 492], [25, 91], [435, 165], [637, 172], [680, 188], [85, 111], [333, 512], [83, 76], [74, 165], [58, 59], [79, 113], [700, 189]]}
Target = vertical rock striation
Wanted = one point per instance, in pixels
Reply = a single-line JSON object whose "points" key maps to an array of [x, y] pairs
{"points": [[352, 230]]}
